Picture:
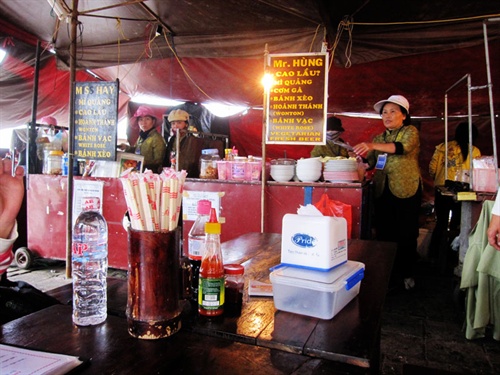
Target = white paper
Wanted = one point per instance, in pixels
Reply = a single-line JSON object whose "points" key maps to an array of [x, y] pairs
{"points": [[20, 361], [190, 200], [83, 189]]}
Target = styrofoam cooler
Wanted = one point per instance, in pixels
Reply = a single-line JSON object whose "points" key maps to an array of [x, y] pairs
{"points": [[316, 293]]}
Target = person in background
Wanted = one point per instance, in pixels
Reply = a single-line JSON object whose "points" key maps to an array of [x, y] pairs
{"points": [[493, 231], [334, 130], [397, 184], [150, 143], [458, 163], [188, 155], [16, 298]]}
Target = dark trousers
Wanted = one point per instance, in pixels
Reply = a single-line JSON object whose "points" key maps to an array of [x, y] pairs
{"points": [[397, 220], [443, 206]]}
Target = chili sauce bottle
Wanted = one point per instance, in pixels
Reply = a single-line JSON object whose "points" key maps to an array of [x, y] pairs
{"points": [[211, 289]]}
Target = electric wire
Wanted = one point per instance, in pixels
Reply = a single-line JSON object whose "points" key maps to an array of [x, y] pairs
{"points": [[461, 19], [314, 38], [183, 67]]}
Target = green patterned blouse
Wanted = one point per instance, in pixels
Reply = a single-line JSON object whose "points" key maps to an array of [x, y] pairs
{"points": [[401, 170]]}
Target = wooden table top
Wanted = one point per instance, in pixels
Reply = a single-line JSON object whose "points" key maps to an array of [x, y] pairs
{"points": [[351, 338]]}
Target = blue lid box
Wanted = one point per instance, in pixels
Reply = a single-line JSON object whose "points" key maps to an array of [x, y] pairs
{"points": [[316, 293]]}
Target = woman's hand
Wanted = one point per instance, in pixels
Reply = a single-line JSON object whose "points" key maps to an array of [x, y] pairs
{"points": [[363, 148], [11, 196], [493, 232]]}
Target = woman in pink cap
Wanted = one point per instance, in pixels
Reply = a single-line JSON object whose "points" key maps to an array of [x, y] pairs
{"points": [[150, 143], [397, 184]]}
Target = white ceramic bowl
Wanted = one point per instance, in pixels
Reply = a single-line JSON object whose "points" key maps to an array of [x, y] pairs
{"points": [[309, 162], [311, 175], [282, 173]]}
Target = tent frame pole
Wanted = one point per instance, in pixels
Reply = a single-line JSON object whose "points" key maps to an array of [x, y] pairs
{"points": [[263, 161], [469, 115], [69, 196], [490, 92], [31, 156]]}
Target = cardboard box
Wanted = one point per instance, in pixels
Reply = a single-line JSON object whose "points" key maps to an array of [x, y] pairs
{"points": [[314, 242], [315, 293]]}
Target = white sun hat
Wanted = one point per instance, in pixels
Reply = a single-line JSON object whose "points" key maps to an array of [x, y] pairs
{"points": [[396, 99]]}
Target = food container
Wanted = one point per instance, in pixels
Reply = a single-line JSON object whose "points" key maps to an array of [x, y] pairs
{"points": [[315, 293], [208, 163], [253, 170], [234, 286], [238, 167], [222, 167], [54, 162]]}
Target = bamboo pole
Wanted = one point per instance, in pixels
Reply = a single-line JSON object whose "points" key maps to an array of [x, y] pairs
{"points": [[69, 197], [263, 161]]}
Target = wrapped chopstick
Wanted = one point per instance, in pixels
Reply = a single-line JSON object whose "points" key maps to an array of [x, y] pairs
{"points": [[154, 201]]}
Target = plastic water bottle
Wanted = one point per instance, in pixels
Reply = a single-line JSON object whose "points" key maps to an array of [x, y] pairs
{"points": [[211, 290], [196, 241], [90, 265]]}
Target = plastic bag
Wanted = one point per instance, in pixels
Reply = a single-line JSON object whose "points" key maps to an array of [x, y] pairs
{"points": [[330, 207]]}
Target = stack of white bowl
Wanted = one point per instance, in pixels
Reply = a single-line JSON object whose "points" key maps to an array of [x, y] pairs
{"points": [[309, 170], [282, 170]]}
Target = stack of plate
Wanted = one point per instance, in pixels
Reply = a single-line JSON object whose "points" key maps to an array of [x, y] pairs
{"points": [[341, 170], [308, 170]]}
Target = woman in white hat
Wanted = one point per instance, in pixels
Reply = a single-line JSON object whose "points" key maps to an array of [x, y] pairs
{"points": [[150, 143], [397, 184]]}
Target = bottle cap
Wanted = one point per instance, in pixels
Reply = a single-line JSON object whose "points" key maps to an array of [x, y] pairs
{"points": [[203, 207], [212, 226], [234, 269]]}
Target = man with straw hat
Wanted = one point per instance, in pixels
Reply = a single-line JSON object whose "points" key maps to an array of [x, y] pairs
{"points": [[188, 155]]}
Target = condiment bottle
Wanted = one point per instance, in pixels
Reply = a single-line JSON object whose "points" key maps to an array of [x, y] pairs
{"points": [[196, 241], [211, 290], [234, 285]]}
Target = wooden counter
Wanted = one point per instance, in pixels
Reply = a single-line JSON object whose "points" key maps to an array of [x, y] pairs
{"points": [[350, 340], [240, 207]]}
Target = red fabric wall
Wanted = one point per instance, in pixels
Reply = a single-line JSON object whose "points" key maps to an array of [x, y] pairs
{"points": [[246, 136]]}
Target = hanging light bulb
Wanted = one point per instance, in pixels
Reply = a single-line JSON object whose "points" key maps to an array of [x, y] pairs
{"points": [[268, 81]]}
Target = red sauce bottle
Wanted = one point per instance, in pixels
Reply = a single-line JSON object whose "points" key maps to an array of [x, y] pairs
{"points": [[211, 290]]}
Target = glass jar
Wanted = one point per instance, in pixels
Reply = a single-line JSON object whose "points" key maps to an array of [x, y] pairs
{"points": [[54, 162], [208, 163], [234, 285]]}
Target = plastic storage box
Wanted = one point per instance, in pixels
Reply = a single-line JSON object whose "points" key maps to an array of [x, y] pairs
{"points": [[316, 293]]}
